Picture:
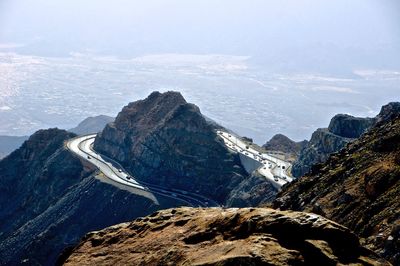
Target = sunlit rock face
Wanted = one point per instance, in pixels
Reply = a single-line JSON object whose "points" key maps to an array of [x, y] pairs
{"points": [[214, 236]]}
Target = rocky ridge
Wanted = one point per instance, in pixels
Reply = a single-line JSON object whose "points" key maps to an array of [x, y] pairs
{"points": [[166, 141], [50, 199], [23, 173], [321, 145], [248, 236], [342, 129], [358, 187]]}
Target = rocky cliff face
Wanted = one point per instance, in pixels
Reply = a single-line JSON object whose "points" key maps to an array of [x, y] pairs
{"points": [[348, 126], [253, 191], [187, 236], [92, 125], [388, 112], [342, 130], [358, 187], [166, 141], [49, 199], [318, 149]]}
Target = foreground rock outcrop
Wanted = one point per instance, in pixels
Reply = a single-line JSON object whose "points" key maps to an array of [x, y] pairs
{"points": [[249, 236], [342, 129], [166, 141], [358, 187]]}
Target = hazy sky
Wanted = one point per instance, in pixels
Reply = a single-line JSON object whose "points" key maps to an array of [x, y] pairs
{"points": [[292, 34], [257, 66]]}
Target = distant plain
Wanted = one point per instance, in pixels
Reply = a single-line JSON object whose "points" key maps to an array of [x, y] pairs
{"points": [[41, 92]]}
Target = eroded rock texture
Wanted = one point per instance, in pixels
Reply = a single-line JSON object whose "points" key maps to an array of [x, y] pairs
{"points": [[358, 187], [248, 236]]}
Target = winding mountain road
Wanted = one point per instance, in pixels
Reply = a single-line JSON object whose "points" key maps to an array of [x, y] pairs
{"points": [[272, 168], [82, 146]]}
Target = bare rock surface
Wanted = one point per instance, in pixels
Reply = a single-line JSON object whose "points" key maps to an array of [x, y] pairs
{"points": [[358, 187], [215, 236]]}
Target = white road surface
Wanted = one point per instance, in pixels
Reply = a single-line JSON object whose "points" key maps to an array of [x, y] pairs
{"points": [[82, 146], [272, 168]]}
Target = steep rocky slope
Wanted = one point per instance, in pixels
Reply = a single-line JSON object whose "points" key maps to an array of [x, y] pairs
{"points": [[318, 149], [253, 191], [187, 236], [92, 125], [341, 130], [166, 141], [23, 173], [49, 199], [388, 112], [358, 187]]}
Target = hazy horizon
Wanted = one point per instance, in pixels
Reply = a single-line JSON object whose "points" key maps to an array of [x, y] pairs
{"points": [[258, 67]]}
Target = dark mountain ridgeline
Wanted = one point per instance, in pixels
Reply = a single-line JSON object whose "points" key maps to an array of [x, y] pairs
{"points": [[342, 129], [50, 199]]}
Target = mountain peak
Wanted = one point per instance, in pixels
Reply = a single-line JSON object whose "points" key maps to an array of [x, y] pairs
{"points": [[166, 141], [145, 113], [389, 111], [168, 94], [348, 126]]}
